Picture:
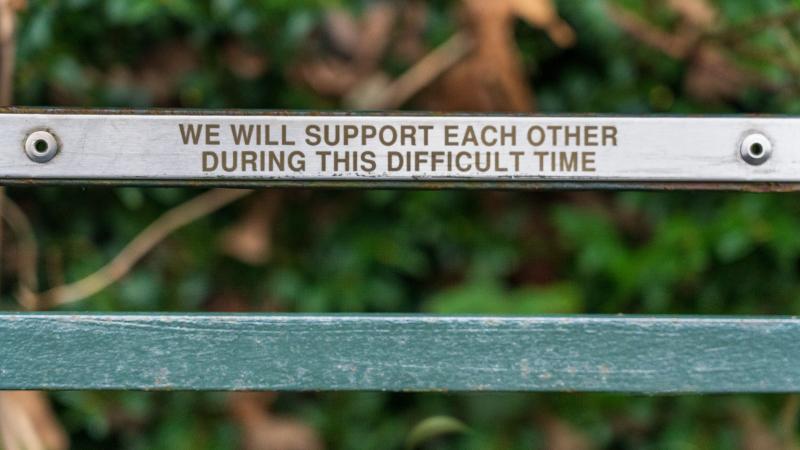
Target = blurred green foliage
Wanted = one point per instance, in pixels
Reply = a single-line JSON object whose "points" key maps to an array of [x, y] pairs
{"points": [[411, 251]]}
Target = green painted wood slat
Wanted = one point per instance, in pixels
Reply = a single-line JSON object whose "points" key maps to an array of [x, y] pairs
{"points": [[399, 352]]}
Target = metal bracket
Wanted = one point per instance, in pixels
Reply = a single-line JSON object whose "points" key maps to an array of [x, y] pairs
{"points": [[247, 148]]}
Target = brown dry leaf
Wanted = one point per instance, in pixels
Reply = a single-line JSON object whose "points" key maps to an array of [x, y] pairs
{"points": [[561, 435], [27, 422], [250, 239], [491, 78], [787, 421], [493, 74], [381, 92], [542, 14], [243, 61], [355, 76], [353, 49], [699, 13], [376, 26], [329, 76], [676, 45], [755, 433], [409, 46], [8, 23], [17, 5], [711, 75], [341, 31], [264, 431], [369, 93], [8, 17]]}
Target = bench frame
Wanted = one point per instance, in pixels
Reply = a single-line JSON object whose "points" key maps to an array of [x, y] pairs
{"points": [[396, 352]]}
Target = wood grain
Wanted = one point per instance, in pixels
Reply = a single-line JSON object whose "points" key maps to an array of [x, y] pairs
{"points": [[398, 353]]}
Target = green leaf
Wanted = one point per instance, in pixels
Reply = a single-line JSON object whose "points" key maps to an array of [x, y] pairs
{"points": [[433, 427]]}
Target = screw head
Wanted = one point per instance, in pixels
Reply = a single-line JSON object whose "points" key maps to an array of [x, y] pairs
{"points": [[755, 148], [41, 146]]}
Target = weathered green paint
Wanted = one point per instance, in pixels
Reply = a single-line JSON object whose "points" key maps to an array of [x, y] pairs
{"points": [[395, 352]]}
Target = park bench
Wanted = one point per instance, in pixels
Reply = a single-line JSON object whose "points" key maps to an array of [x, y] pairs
{"points": [[236, 149]]}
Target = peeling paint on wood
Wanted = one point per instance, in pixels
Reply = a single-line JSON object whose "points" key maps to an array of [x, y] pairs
{"points": [[399, 353]]}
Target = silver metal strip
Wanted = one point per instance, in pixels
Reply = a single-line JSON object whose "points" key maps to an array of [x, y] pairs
{"points": [[278, 149]]}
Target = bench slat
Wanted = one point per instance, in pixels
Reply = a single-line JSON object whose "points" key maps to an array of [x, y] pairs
{"points": [[398, 352]]}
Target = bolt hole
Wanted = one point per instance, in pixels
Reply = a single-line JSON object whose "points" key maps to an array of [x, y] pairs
{"points": [[40, 146], [756, 150]]}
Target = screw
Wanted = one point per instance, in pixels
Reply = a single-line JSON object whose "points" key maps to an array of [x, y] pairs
{"points": [[41, 146], [755, 148]]}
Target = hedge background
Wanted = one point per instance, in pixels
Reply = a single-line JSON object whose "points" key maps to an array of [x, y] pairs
{"points": [[419, 251]]}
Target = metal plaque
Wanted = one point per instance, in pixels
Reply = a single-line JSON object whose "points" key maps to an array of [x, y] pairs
{"points": [[273, 149]]}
